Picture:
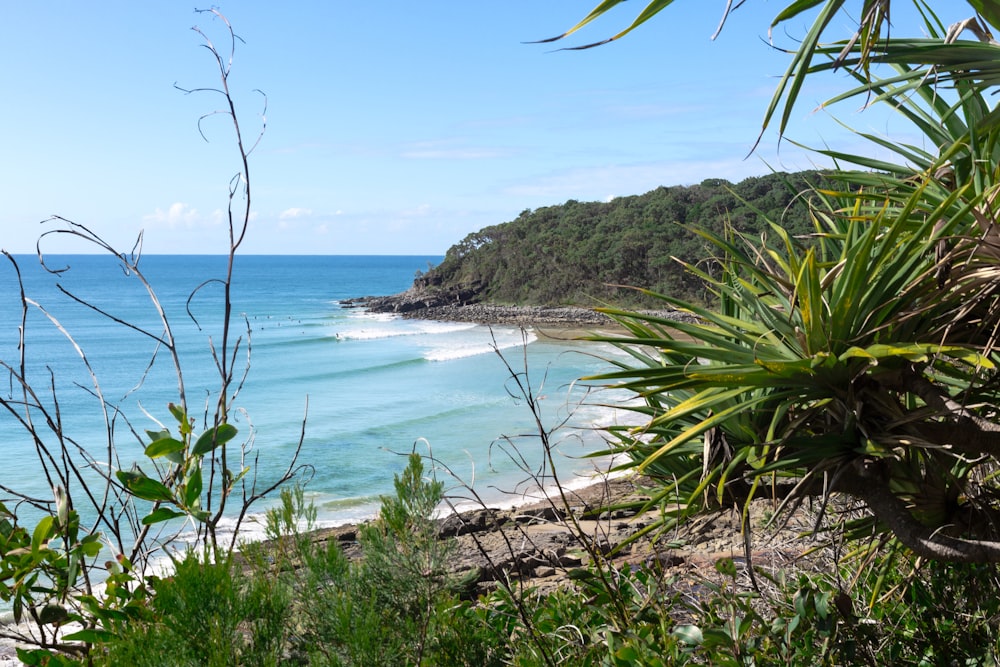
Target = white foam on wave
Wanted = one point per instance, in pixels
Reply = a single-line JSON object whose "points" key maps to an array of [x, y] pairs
{"points": [[370, 334], [383, 326], [253, 527], [366, 315], [462, 350]]}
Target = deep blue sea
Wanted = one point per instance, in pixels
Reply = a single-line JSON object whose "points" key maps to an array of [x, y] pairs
{"points": [[376, 385]]}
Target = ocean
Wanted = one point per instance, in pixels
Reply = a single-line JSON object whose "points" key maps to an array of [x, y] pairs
{"points": [[376, 386]]}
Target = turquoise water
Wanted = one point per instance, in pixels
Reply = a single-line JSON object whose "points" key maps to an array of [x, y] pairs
{"points": [[376, 386]]}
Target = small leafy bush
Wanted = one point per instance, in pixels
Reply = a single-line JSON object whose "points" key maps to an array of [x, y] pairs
{"points": [[396, 606], [207, 614]]}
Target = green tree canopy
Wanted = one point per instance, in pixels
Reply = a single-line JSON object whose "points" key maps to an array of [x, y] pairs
{"points": [[579, 252]]}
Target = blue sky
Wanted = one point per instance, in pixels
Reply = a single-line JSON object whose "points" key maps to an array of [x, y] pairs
{"points": [[393, 127]]}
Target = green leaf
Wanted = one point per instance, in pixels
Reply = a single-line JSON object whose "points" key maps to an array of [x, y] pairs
{"points": [[726, 567], [595, 13], [90, 636], [157, 435], [652, 9], [689, 634], [178, 412], [73, 569], [627, 653], [161, 514], [235, 479], [212, 438], [164, 447], [794, 9], [141, 486], [713, 637], [989, 10], [192, 490], [791, 83], [91, 545], [42, 533], [917, 352], [30, 656]]}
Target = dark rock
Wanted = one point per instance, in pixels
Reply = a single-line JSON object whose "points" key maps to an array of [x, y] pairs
{"points": [[475, 521], [418, 298], [569, 561], [547, 513], [463, 304]]}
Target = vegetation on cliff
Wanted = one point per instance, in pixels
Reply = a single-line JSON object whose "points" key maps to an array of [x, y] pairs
{"points": [[580, 252]]}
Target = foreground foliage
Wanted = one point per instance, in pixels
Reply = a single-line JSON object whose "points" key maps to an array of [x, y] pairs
{"points": [[299, 602], [74, 567], [295, 601]]}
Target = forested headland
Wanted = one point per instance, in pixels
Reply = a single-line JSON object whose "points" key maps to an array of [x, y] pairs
{"points": [[580, 253]]}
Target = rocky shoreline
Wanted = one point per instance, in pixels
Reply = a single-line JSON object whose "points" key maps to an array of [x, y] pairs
{"points": [[537, 545], [462, 306]]}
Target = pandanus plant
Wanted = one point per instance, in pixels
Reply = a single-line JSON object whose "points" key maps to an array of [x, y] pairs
{"points": [[861, 361]]}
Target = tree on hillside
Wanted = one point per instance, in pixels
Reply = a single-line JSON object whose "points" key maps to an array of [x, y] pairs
{"points": [[864, 365], [579, 252]]}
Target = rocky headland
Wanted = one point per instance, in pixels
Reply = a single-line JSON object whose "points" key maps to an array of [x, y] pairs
{"points": [[462, 304]]}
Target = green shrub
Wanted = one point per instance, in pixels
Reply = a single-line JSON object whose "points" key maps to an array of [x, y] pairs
{"points": [[395, 606], [295, 601], [939, 614], [207, 614]]}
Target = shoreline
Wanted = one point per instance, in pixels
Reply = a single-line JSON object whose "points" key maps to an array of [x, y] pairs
{"points": [[536, 546], [423, 305], [535, 542], [408, 306]]}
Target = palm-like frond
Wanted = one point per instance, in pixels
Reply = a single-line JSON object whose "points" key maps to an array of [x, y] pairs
{"points": [[866, 47], [818, 359], [861, 360]]}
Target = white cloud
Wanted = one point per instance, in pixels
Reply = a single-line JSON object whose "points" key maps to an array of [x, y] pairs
{"points": [[294, 212], [192, 224], [177, 214]]}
